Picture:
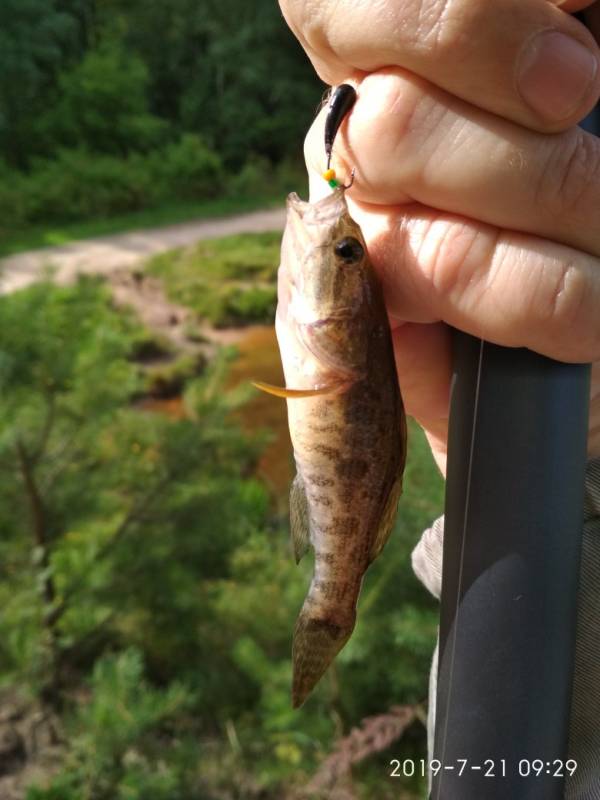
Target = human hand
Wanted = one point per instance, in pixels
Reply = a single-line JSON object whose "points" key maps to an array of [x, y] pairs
{"points": [[478, 207]]}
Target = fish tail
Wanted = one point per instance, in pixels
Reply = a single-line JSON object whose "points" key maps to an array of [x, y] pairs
{"points": [[316, 643]]}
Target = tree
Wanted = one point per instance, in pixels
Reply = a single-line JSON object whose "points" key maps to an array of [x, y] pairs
{"points": [[97, 497], [246, 85], [36, 37], [147, 586], [103, 105]]}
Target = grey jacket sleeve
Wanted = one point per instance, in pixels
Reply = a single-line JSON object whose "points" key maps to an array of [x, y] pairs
{"points": [[584, 744]]}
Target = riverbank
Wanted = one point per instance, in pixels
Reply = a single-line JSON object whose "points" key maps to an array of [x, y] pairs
{"points": [[103, 255]]}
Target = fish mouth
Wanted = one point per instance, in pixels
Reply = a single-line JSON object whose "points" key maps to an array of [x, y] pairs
{"points": [[311, 225], [325, 212]]}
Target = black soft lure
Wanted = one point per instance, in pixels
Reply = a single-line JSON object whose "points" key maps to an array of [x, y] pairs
{"points": [[342, 100]]}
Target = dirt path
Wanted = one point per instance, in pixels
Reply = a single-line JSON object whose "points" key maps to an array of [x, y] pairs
{"points": [[107, 254]]}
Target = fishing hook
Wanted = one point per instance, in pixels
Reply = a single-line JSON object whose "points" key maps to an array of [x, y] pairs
{"points": [[342, 100]]}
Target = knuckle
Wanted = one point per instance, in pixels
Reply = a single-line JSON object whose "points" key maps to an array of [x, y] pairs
{"points": [[407, 106], [429, 20], [567, 309], [399, 112], [455, 257], [445, 26], [568, 297], [568, 186], [309, 18]]}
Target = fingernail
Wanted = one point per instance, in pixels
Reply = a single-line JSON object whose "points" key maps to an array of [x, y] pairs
{"points": [[554, 74]]}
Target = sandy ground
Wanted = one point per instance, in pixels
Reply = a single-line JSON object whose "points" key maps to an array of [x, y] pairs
{"points": [[107, 254], [146, 296]]}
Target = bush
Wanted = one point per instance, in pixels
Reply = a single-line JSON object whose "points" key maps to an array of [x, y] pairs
{"points": [[253, 179], [118, 737], [188, 169], [247, 305], [230, 281], [78, 185], [103, 105], [13, 201]]}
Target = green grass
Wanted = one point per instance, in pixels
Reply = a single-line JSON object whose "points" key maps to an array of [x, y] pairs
{"points": [[229, 281], [164, 381], [48, 235], [423, 482]]}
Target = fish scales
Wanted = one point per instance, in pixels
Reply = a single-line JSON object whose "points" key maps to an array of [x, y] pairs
{"points": [[349, 439]]}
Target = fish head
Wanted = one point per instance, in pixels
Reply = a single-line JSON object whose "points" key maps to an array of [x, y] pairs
{"points": [[325, 258]]}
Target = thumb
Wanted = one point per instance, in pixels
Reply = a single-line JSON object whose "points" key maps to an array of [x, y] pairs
{"points": [[573, 5]]}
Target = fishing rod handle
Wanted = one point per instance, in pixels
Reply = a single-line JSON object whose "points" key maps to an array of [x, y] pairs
{"points": [[512, 541]]}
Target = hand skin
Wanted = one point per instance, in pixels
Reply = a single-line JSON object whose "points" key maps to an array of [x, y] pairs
{"points": [[479, 205]]}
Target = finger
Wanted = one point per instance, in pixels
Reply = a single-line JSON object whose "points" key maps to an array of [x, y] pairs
{"points": [[424, 366], [526, 60], [409, 140], [423, 361], [573, 5], [507, 288]]}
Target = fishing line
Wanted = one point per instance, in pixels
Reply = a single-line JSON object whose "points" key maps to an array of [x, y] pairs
{"points": [[461, 568]]}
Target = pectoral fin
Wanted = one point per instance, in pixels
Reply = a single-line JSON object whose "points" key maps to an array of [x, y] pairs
{"points": [[282, 391], [299, 519]]}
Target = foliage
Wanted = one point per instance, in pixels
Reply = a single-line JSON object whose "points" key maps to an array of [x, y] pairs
{"points": [[246, 305], [173, 211], [108, 107], [35, 39], [167, 378], [88, 476], [76, 185], [228, 281], [229, 69], [114, 75], [117, 736], [147, 585], [181, 179], [102, 105]]}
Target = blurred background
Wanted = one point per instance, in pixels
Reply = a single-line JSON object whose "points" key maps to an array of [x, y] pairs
{"points": [[147, 587]]}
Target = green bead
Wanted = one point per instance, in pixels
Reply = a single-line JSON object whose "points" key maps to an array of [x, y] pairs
{"points": [[333, 183]]}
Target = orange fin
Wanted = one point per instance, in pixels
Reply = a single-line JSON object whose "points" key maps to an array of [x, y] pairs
{"points": [[282, 391]]}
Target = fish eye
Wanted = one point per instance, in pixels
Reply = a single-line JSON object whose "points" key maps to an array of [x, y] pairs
{"points": [[349, 250]]}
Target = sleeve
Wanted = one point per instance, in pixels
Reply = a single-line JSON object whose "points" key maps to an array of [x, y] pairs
{"points": [[584, 737]]}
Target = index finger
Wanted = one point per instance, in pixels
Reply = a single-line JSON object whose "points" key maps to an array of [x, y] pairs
{"points": [[525, 60], [574, 5]]}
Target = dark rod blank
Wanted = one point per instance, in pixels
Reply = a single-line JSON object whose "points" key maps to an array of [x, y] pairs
{"points": [[513, 526]]}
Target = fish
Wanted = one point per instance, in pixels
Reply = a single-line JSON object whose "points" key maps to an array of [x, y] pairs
{"points": [[346, 420]]}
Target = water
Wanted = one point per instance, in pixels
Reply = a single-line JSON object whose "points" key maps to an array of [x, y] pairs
{"points": [[259, 359]]}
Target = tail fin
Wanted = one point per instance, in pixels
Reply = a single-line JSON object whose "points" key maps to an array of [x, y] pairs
{"points": [[316, 643]]}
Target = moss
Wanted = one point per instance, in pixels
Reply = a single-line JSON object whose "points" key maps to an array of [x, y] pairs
{"points": [[168, 380], [148, 347], [229, 281]]}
